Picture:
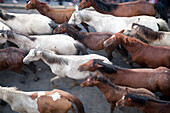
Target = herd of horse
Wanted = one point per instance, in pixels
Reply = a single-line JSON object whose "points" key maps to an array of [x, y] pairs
{"points": [[138, 30]]}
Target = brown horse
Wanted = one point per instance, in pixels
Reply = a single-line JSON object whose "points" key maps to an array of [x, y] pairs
{"points": [[142, 53], [55, 101], [153, 79], [112, 92], [59, 16], [128, 9], [11, 58], [92, 40], [145, 104]]}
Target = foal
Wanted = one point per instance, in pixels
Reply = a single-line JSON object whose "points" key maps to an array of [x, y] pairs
{"points": [[142, 53], [112, 92], [55, 101], [156, 38], [11, 59], [145, 104], [153, 79]]}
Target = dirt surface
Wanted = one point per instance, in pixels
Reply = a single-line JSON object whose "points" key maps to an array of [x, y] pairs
{"points": [[92, 98]]}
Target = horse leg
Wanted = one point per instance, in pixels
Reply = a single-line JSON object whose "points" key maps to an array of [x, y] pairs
{"points": [[112, 107], [52, 81], [32, 67], [74, 83], [22, 80], [85, 26]]}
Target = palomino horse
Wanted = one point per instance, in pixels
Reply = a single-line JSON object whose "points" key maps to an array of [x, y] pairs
{"points": [[128, 9], [156, 38], [28, 23], [112, 92], [108, 23], [55, 101], [11, 58], [92, 40], [143, 54], [59, 44], [153, 79], [144, 104], [59, 16], [63, 65]]}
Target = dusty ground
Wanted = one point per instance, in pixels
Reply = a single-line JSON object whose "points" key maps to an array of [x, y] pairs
{"points": [[92, 98]]}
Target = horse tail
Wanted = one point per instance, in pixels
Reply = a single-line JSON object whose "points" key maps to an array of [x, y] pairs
{"points": [[78, 103], [163, 26], [80, 48], [160, 8]]}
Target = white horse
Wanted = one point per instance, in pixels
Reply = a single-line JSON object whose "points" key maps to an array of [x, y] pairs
{"points": [[28, 23], [63, 65], [40, 101], [108, 23], [155, 38], [59, 44]]}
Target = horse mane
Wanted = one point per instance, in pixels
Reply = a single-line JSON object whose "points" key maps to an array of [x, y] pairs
{"points": [[52, 58], [149, 33], [105, 81], [6, 16], [77, 35], [107, 68], [105, 6], [141, 100]]}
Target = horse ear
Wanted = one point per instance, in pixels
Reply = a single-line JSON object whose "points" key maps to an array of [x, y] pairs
{"points": [[127, 90], [99, 65], [101, 59], [76, 7], [37, 46], [122, 31]]}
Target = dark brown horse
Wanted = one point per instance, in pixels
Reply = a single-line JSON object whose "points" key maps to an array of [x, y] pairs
{"points": [[112, 92], [144, 104], [11, 58], [92, 40], [153, 79], [142, 53], [128, 9], [59, 16]]}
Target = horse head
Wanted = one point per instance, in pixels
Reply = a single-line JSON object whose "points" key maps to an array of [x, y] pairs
{"points": [[84, 4], [3, 36], [60, 29], [90, 82], [91, 65], [33, 55], [31, 4], [76, 18]]}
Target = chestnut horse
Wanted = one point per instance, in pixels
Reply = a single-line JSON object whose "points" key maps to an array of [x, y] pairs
{"points": [[55, 101], [112, 92], [156, 38], [153, 79], [143, 54], [59, 16], [144, 104], [128, 9], [11, 58], [92, 40]]}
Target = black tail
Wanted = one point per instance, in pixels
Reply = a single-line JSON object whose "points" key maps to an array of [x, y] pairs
{"points": [[78, 104], [160, 8]]}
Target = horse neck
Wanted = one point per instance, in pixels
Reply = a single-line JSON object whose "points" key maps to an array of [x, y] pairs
{"points": [[75, 33], [42, 8]]}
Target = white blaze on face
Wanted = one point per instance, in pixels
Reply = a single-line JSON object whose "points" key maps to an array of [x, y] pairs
{"points": [[123, 97], [55, 96], [112, 36], [88, 79]]}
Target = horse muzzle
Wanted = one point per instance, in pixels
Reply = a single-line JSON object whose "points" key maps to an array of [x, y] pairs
{"points": [[25, 61]]}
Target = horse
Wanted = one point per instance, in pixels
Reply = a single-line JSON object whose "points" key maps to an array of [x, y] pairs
{"points": [[144, 104], [92, 40], [31, 24], [11, 58], [63, 65], [152, 79], [55, 101], [112, 92], [128, 9], [59, 44], [143, 54], [108, 23], [59, 16], [155, 38]]}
